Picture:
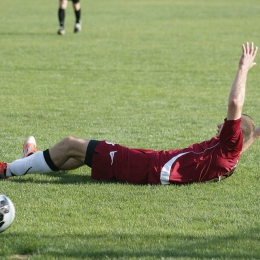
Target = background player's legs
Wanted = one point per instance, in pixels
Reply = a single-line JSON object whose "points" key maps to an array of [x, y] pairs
{"points": [[77, 10], [61, 15]]}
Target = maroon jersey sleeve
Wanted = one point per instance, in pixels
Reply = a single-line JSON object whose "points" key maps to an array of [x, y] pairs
{"points": [[231, 138]]}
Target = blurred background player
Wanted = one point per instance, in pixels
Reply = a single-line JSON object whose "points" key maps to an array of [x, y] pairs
{"points": [[61, 15]]}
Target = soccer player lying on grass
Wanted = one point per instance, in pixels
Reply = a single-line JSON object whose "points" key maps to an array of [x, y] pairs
{"points": [[210, 160]]}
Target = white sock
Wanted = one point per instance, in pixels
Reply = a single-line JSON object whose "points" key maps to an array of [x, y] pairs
{"points": [[34, 163]]}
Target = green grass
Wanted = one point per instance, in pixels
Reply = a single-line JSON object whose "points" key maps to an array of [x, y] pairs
{"points": [[149, 74]]}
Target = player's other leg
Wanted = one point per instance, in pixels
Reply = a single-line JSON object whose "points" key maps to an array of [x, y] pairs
{"points": [[77, 10], [61, 15], [69, 153], [29, 147]]}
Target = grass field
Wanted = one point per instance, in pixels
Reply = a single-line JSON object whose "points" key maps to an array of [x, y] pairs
{"points": [[149, 74]]}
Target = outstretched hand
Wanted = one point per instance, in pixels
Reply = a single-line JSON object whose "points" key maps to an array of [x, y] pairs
{"points": [[248, 55]]}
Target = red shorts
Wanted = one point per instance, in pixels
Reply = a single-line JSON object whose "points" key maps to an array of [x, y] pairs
{"points": [[113, 161]]}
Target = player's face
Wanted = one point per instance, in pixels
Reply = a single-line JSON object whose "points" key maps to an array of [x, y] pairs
{"points": [[219, 130]]}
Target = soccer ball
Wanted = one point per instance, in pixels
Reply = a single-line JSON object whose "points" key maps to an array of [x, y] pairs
{"points": [[7, 212]]}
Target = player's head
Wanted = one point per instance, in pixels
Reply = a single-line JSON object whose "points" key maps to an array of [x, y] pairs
{"points": [[248, 126]]}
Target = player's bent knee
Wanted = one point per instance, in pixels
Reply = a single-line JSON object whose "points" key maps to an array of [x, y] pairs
{"points": [[72, 142], [69, 140]]}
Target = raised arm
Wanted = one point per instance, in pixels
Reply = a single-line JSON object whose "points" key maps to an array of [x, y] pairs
{"points": [[238, 89]]}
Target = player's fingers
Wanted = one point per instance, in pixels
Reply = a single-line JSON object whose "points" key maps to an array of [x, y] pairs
{"points": [[247, 47], [255, 51], [251, 47], [243, 48]]}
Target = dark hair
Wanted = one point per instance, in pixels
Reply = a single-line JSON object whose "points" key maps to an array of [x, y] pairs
{"points": [[248, 126]]}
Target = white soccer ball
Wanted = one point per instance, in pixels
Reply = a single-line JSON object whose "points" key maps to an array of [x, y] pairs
{"points": [[7, 212]]}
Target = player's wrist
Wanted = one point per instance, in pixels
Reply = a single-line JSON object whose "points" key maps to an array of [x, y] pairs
{"points": [[243, 68]]}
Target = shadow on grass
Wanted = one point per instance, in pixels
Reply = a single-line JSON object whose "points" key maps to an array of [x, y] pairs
{"points": [[243, 245], [68, 177], [60, 177]]}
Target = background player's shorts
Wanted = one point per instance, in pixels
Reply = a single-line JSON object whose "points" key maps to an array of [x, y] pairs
{"points": [[75, 1], [113, 161]]}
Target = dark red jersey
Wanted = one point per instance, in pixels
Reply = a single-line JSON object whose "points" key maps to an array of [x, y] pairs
{"points": [[209, 160], [206, 161]]}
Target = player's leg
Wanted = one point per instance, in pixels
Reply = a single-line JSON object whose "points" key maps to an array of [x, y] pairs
{"points": [[77, 10], [85, 147], [71, 164], [70, 147], [61, 15], [34, 163], [58, 157]]}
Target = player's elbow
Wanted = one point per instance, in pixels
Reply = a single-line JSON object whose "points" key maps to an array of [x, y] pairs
{"points": [[235, 104]]}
